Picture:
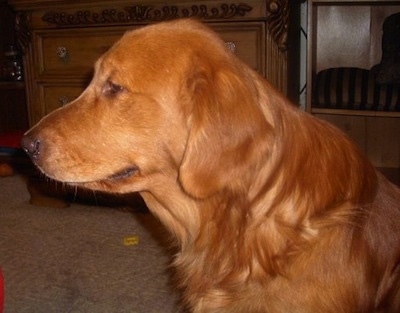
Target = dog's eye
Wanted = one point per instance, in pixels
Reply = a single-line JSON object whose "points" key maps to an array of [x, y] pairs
{"points": [[111, 89]]}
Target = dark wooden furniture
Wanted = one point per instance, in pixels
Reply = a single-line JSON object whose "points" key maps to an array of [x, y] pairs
{"points": [[62, 39]]}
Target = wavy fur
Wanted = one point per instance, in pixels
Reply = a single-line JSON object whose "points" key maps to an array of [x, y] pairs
{"points": [[272, 209]]}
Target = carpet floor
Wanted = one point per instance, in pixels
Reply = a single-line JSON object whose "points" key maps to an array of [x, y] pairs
{"points": [[84, 258]]}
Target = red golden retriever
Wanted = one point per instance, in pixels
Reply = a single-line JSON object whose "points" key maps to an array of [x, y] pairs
{"points": [[273, 210]]}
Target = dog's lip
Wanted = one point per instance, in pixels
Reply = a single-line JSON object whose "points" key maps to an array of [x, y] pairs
{"points": [[124, 173], [117, 176]]}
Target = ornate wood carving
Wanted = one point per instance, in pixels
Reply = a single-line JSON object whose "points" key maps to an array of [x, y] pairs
{"points": [[277, 20], [143, 13], [277, 17]]}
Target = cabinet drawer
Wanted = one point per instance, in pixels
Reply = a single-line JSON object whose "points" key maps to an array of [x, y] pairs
{"points": [[247, 40], [68, 53], [61, 54], [55, 96]]}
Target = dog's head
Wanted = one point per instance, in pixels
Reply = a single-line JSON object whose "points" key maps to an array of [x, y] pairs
{"points": [[165, 100]]}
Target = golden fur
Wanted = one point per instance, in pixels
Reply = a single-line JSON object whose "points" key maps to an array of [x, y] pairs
{"points": [[273, 210]]}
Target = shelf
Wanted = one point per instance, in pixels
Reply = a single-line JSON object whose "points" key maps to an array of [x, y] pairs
{"points": [[348, 34], [355, 112], [11, 85], [345, 34]]}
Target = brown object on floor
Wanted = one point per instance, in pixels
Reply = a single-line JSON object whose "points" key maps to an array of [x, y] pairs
{"points": [[42, 194], [6, 170]]}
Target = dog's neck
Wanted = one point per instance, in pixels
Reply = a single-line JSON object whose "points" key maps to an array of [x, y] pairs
{"points": [[218, 229], [178, 212]]}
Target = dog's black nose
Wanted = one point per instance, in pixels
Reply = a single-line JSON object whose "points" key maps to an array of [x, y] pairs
{"points": [[31, 146]]}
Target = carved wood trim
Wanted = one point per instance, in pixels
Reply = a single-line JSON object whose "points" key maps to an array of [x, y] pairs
{"points": [[277, 17], [145, 14], [278, 21]]}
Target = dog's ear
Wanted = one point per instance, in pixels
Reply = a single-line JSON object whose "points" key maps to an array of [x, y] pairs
{"points": [[227, 131]]}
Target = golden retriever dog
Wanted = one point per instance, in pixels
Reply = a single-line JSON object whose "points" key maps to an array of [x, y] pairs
{"points": [[272, 209]]}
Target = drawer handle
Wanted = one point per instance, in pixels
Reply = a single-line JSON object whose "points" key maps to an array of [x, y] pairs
{"points": [[63, 100], [231, 46], [62, 53]]}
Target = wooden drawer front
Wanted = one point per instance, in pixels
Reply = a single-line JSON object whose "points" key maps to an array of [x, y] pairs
{"points": [[68, 53], [62, 53], [247, 41], [55, 96]]}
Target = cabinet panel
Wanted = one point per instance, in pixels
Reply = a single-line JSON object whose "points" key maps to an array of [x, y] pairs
{"points": [[377, 136], [55, 96], [383, 141], [354, 126], [72, 53], [248, 40]]}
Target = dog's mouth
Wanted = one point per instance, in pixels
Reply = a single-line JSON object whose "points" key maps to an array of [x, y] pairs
{"points": [[123, 174], [116, 178]]}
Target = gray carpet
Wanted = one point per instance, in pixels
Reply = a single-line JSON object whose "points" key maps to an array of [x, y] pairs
{"points": [[81, 259]]}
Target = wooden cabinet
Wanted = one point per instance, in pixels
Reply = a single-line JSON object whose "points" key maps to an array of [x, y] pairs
{"points": [[62, 39], [348, 34]]}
